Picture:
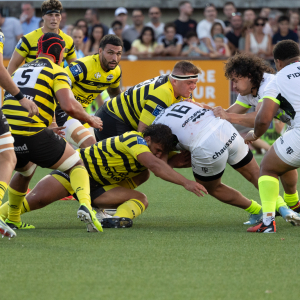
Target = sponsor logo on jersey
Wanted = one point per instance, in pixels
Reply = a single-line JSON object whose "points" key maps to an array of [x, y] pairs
{"points": [[293, 75], [76, 70], [289, 150], [1, 37], [229, 142], [195, 116], [69, 81], [19, 43], [157, 110], [97, 75], [109, 77], [116, 176], [21, 148], [141, 141]]}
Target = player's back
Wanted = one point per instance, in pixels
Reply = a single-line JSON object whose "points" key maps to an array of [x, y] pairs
{"points": [[188, 122], [38, 80]]}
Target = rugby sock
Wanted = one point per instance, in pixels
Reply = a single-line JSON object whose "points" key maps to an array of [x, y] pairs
{"points": [[130, 209], [25, 207], [280, 202], [254, 208], [80, 183], [3, 188], [15, 200], [268, 191], [290, 199], [4, 209]]}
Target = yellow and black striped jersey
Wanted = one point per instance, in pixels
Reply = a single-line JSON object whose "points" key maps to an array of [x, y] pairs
{"points": [[27, 46], [89, 79], [115, 159], [38, 80], [143, 102], [2, 39]]}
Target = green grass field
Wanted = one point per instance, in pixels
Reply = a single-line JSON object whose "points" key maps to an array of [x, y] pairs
{"points": [[182, 247]]}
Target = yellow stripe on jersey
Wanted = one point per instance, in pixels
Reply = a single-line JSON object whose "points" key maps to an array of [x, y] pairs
{"points": [[2, 39], [115, 159], [89, 79], [27, 46], [38, 80], [143, 102]]}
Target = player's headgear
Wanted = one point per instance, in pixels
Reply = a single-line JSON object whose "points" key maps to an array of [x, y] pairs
{"points": [[51, 44]]}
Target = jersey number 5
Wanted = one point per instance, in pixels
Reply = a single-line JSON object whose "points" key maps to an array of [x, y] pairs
{"points": [[27, 77]]}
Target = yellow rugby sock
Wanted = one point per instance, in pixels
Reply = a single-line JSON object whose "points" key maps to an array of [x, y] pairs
{"points": [[3, 188], [25, 207], [15, 200], [80, 183], [291, 199], [130, 209], [268, 192], [254, 208], [4, 209], [280, 202]]}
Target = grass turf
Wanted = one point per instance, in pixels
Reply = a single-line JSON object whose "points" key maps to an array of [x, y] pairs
{"points": [[182, 247]]}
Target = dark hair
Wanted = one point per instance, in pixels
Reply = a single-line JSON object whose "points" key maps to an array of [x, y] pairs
{"points": [[91, 35], [185, 66], [283, 18], [286, 49], [51, 4], [259, 18], [86, 25], [147, 28], [168, 25], [207, 5], [183, 3], [247, 65], [116, 22], [191, 34], [213, 27], [161, 134], [229, 3], [110, 39], [95, 12]]}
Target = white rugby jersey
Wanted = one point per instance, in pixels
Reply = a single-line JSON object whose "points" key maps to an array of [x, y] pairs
{"points": [[189, 123]]}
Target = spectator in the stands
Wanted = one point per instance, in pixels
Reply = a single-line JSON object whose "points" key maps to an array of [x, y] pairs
{"points": [[294, 21], [216, 28], [145, 45], [92, 17], [170, 43], [264, 12], [134, 31], [155, 22], [222, 49], [117, 30], [257, 42], [273, 21], [120, 15], [193, 47], [82, 24], [298, 31], [69, 29], [63, 23], [249, 16], [28, 19], [228, 9], [93, 43], [184, 23], [284, 33], [12, 29], [41, 23], [204, 26], [235, 34]]}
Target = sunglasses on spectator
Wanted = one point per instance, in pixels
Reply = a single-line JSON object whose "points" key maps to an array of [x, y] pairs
{"points": [[260, 24], [117, 28], [236, 14]]}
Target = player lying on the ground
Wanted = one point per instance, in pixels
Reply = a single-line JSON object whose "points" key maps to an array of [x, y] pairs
{"points": [[45, 83], [283, 91], [7, 154], [90, 76], [113, 165], [250, 76], [213, 142]]}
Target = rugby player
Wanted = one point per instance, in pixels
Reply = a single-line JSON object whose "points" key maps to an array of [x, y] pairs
{"points": [[250, 76], [27, 47], [283, 91], [213, 142], [45, 82], [113, 165], [136, 108], [7, 154], [90, 76]]}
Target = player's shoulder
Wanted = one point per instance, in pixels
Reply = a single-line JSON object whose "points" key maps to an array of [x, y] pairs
{"points": [[132, 138], [66, 38], [33, 35]]}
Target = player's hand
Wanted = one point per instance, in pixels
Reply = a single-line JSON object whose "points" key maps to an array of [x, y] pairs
{"points": [[30, 106], [250, 137], [58, 131], [195, 188], [96, 122], [221, 113], [181, 160]]}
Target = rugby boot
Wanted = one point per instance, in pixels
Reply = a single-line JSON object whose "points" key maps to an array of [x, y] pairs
{"points": [[100, 214], [5, 230], [289, 215], [18, 225], [254, 218], [262, 228], [89, 218], [116, 222]]}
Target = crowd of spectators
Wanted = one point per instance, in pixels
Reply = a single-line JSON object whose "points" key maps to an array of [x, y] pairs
{"points": [[210, 37]]}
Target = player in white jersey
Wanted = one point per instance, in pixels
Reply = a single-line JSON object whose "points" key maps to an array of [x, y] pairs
{"points": [[282, 92], [250, 75]]}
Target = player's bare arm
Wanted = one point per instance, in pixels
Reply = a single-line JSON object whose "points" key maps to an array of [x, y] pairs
{"points": [[165, 172], [114, 92]]}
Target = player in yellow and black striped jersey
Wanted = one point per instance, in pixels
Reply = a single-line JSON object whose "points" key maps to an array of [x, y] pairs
{"points": [[27, 46], [137, 108], [90, 76], [113, 166], [45, 83]]}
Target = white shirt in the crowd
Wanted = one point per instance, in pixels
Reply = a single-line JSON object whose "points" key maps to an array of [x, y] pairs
{"points": [[204, 27], [157, 30]]}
